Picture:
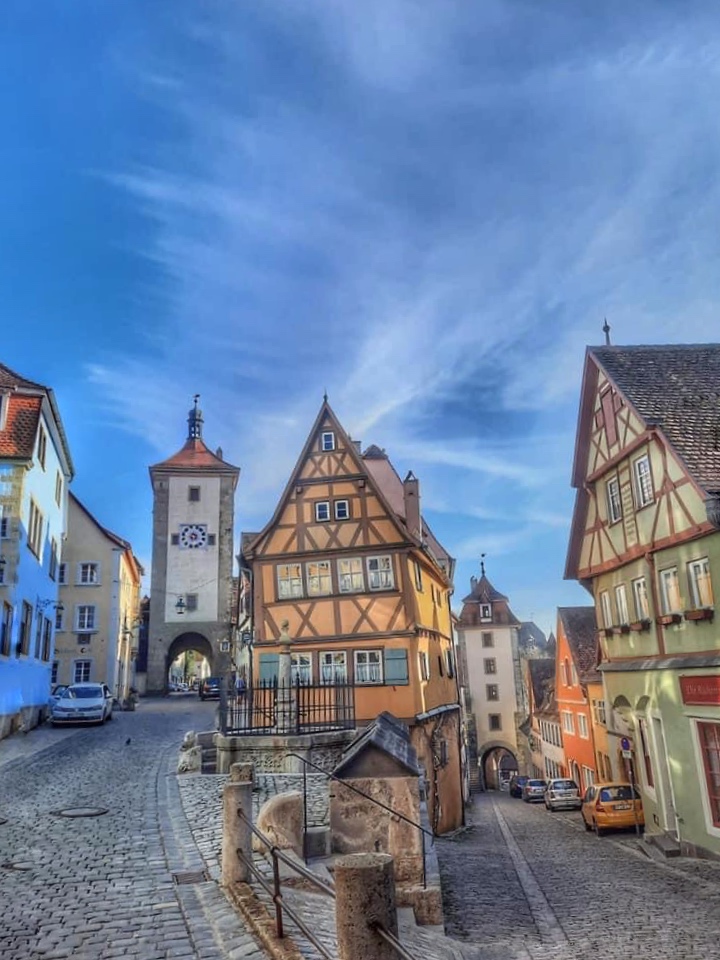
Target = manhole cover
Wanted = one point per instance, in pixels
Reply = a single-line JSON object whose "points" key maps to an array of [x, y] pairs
{"points": [[74, 812], [190, 876]]}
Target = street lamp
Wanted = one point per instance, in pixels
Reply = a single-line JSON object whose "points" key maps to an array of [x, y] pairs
{"points": [[180, 606]]}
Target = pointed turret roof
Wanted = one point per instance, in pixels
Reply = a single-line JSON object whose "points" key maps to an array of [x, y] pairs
{"points": [[194, 456], [482, 591]]}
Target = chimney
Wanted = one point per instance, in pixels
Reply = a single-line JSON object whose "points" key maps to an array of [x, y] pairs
{"points": [[411, 496], [218, 453], [358, 445]]}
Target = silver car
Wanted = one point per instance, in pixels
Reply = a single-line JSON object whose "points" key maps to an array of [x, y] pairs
{"points": [[562, 794], [83, 703]]}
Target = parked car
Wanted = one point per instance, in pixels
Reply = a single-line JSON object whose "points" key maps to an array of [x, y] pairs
{"points": [[534, 790], [611, 806], [209, 688], [562, 794], [83, 703], [516, 785]]}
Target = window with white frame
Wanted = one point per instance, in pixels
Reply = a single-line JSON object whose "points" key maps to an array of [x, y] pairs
{"points": [[59, 618], [47, 639], [350, 575], [568, 722], [418, 575], [84, 617], [573, 675], [486, 611], [701, 594], [58, 487], [621, 604], [614, 503], [42, 447], [670, 591], [565, 667], [424, 666], [319, 581], [35, 530], [38, 635], [53, 559], [81, 671], [588, 776], [88, 574], [301, 668], [322, 511], [333, 666], [62, 573], [606, 609], [380, 573], [598, 708], [492, 691], [342, 509], [640, 597], [327, 440], [582, 725], [54, 672], [6, 629], [4, 527], [644, 493], [368, 666], [289, 580]]}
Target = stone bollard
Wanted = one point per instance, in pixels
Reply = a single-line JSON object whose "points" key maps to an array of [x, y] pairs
{"points": [[236, 832], [241, 772], [365, 891]]}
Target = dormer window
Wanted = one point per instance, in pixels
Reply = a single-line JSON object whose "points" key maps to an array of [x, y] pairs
{"points": [[4, 403], [327, 440], [486, 611]]}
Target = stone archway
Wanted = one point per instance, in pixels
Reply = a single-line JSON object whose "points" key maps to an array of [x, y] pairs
{"points": [[185, 642], [498, 761]]}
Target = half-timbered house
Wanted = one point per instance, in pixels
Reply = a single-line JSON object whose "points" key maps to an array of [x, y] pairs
{"points": [[349, 562], [645, 540]]}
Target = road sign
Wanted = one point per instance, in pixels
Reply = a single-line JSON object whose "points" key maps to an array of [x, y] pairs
{"points": [[625, 744], [627, 754]]}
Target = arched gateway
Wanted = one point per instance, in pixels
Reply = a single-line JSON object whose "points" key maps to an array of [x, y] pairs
{"points": [[192, 556], [497, 764]]}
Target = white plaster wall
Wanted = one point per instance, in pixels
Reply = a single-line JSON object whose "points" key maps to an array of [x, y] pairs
{"points": [[502, 651], [193, 571]]}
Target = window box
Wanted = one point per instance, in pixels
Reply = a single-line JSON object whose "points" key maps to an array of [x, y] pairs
{"points": [[624, 628], [640, 626], [667, 619], [609, 631], [705, 613]]}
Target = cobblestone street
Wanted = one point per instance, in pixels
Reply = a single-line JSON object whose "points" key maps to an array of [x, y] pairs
{"points": [[527, 884], [103, 887]]}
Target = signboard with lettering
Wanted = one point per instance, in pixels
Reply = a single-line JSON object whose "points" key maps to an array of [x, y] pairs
{"points": [[701, 691]]}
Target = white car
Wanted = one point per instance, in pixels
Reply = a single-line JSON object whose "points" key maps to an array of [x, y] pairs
{"points": [[562, 794], [83, 703]]}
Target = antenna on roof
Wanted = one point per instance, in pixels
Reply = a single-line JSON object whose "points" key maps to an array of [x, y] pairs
{"points": [[482, 564], [606, 331]]}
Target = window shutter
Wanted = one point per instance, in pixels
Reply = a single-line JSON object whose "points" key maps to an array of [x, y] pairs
{"points": [[396, 666], [269, 667]]}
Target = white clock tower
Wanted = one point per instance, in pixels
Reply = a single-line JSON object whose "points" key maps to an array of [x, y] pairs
{"points": [[192, 556]]}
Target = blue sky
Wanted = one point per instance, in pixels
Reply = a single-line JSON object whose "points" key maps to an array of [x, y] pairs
{"points": [[426, 208]]}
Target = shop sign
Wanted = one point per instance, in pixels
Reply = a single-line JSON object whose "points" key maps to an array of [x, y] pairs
{"points": [[701, 691]]}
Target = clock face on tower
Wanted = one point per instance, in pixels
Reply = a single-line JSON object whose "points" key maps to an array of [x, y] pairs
{"points": [[193, 535]]}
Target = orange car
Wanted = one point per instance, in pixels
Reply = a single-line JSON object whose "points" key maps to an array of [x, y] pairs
{"points": [[611, 806]]}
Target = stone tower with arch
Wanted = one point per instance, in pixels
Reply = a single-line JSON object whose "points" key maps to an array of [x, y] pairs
{"points": [[192, 556]]}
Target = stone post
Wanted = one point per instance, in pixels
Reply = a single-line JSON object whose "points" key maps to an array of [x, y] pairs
{"points": [[286, 707], [236, 832], [365, 891]]}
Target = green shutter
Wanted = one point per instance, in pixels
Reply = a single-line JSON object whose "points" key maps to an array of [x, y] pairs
{"points": [[396, 667], [269, 667]]}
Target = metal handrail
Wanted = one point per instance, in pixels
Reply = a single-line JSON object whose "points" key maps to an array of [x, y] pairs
{"points": [[331, 776], [275, 893]]}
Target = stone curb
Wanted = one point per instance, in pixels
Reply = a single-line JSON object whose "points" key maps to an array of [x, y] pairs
{"points": [[261, 923]]}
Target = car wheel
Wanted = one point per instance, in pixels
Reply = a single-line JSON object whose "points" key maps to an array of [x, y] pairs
{"points": [[599, 832]]}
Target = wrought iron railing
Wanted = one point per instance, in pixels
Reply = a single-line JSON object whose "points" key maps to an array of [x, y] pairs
{"points": [[271, 708]]}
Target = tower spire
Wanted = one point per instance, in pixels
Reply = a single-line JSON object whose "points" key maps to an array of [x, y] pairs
{"points": [[606, 331], [482, 564], [195, 420]]}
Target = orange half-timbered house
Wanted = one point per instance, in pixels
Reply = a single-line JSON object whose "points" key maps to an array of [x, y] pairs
{"points": [[349, 562], [645, 541]]}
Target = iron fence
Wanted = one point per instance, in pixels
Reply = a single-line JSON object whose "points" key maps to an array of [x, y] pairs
{"points": [[272, 708]]}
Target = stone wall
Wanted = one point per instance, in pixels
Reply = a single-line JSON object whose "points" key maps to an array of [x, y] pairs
{"points": [[271, 754]]}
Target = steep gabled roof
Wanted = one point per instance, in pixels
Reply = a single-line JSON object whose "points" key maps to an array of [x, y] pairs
{"points": [[114, 538], [482, 591], [580, 629], [25, 399], [542, 675], [677, 389], [194, 456]]}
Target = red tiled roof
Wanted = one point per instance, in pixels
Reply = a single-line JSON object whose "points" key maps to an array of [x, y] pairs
{"points": [[9, 380], [194, 455], [17, 440], [580, 630]]}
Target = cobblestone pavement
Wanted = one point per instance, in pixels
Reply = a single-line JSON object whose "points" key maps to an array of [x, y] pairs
{"points": [[527, 884], [103, 887]]}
